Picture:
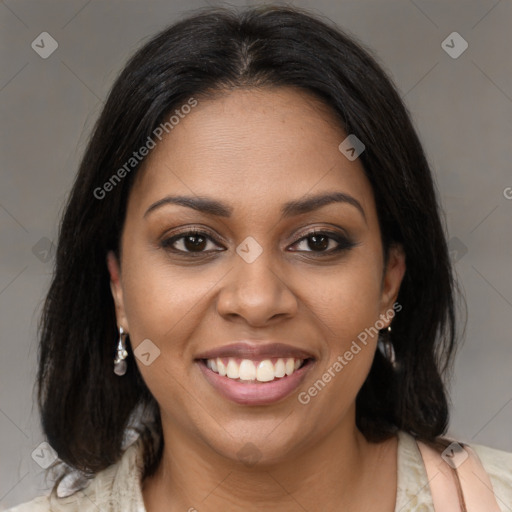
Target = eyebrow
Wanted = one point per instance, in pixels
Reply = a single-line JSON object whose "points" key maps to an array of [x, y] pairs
{"points": [[297, 207]]}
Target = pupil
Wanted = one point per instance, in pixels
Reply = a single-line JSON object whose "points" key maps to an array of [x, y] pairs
{"points": [[323, 245], [198, 244]]}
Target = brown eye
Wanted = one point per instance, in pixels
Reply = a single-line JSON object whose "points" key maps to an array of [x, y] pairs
{"points": [[319, 241], [196, 242], [191, 242]]}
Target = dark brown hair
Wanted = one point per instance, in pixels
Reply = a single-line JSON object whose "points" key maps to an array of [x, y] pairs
{"points": [[84, 406]]}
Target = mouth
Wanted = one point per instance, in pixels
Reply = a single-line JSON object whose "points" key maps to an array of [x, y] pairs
{"points": [[255, 381]]}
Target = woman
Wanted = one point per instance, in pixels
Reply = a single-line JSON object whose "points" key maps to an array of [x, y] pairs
{"points": [[253, 218]]}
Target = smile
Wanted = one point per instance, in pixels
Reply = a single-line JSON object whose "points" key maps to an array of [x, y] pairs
{"points": [[265, 370], [255, 382]]}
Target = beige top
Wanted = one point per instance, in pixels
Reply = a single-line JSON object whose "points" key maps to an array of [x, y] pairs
{"points": [[118, 488]]}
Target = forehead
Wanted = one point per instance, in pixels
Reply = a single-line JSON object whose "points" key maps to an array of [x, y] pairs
{"points": [[252, 147]]}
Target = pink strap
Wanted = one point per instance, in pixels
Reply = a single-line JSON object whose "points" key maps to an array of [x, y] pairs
{"points": [[475, 493], [441, 480]]}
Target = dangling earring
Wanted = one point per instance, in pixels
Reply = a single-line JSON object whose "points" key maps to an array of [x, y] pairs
{"points": [[387, 349], [119, 362]]}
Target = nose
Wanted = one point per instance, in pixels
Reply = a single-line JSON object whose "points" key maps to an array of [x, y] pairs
{"points": [[257, 292]]}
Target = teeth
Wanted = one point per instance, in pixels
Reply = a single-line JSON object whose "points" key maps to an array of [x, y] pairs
{"points": [[247, 370], [221, 367], [265, 371], [289, 365], [279, 369], [232, 370]]}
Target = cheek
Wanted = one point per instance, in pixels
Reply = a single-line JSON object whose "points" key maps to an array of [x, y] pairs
{"points": [[163, 305], [348, 296], [157, 295], [348, 306]]}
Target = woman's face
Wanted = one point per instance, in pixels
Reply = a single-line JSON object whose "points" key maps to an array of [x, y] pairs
{"points": [[253, 276]]}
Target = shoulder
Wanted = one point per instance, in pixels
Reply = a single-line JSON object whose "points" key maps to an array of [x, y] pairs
{"points": [[413, 482], [498, 465], [39, 504], [117, 487]]}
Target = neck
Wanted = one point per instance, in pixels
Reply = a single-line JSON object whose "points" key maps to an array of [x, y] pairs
{"points": [[336, 472]]}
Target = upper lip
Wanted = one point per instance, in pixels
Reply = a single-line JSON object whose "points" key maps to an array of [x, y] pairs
{"points": [[247, 350]]}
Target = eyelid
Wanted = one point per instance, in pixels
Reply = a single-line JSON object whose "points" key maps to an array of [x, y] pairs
{"points": [[334, 231], [194, 230]]}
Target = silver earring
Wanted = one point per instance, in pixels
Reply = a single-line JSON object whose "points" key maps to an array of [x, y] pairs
{"points": [[119, 362], [387, 349]]}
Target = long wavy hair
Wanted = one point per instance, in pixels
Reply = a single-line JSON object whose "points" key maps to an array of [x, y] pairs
{"points": [[84, 407]]}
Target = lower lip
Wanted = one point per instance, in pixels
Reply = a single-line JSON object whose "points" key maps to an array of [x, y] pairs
{"points": [[260, 393]]}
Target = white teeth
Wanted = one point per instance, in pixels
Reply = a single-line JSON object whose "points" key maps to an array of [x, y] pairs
{"points": [[279, 369], [221, 367], [212, 364], [232, 370], [262, 371], [265, 371], [247, 370]]}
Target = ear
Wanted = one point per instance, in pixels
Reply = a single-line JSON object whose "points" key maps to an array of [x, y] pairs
{"points": [[392, 279], [117, 290]]}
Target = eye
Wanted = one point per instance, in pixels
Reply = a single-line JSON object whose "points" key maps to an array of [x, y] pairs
{"points": [[193, 241], [319, 241], [196, 242]]}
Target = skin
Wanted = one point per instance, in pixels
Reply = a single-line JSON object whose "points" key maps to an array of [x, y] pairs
{"points": [[255, 150]]}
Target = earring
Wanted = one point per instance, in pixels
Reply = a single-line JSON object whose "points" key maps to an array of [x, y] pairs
{"points": [[387, 349], [119, 362]]}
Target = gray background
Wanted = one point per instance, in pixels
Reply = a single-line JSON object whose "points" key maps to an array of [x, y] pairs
{"points": [[462, 108]]}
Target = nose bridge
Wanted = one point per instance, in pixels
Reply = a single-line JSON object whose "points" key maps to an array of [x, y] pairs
{"points": [[254, 288], [255, 269]]}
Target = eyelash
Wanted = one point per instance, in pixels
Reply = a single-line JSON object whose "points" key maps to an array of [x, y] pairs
{"points": [[344, 243]]}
